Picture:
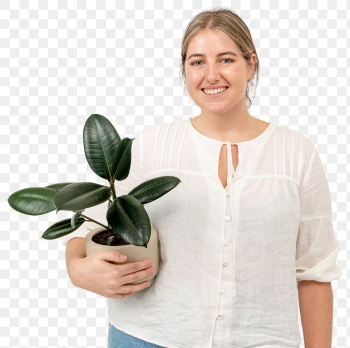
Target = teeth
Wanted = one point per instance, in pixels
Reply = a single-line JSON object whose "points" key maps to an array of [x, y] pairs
{"points": [[214, 91]]}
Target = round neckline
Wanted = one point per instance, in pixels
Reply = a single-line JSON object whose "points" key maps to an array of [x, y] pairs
{"points": [[194, 130]]}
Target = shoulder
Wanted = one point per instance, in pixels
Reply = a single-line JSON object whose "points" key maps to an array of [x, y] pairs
{"points": [[160, 133], [295, 139], [162, 126], [295, 149]]}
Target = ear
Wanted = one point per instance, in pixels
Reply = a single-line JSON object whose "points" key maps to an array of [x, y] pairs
{"points": [[252, 62]]}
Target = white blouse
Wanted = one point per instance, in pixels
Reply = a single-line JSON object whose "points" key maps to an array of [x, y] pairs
{"points": [[230, 258]]}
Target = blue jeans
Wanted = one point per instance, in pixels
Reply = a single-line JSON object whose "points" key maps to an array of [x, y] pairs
{"points": [[120, 339]]}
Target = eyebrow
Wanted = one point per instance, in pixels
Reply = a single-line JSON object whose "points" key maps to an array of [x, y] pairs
{"points": [[219, 55]]}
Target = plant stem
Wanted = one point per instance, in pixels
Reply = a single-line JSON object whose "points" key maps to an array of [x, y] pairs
{"points": [[89, 219], [113, 189]]}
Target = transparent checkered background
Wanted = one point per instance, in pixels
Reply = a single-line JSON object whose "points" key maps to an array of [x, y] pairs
{"points": [[60, 63]]}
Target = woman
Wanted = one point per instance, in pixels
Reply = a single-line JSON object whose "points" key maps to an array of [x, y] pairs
{"points": [[250, 219]]}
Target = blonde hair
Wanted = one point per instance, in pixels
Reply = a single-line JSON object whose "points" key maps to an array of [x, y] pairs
{"points": [[231, 24]]}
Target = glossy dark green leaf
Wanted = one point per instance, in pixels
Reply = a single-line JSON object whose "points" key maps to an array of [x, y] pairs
{"points": [[75, 217], [33, 200], [122, 160], [129, 219], [59, 186], [100, 144], [81, 196], [61, 228], [151, 190]]}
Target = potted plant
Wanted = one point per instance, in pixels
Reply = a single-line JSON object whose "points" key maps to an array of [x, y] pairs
{"points": [[129, 228]]}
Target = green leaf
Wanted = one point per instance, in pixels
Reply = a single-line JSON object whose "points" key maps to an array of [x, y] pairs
{"points": [[75, 217], [122, 160], [109, 240], [33, 200], [153, 189], [58, 187], [100, 144], [81, 196], [61, 228], [129, 219]]}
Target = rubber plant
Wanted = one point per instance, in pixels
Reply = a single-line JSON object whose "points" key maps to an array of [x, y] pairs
{"points": [[109, 157]]}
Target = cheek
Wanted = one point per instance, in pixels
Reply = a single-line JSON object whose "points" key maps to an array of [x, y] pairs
{"points": [[237, 80], [235, 75], [193, 77]]}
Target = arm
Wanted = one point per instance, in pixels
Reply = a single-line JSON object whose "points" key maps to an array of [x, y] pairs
{"points": [[316, 253], [75, 250], [316, 313]]}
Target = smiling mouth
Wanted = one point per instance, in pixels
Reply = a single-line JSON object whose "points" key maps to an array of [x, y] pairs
{"points": [[216, 94]]}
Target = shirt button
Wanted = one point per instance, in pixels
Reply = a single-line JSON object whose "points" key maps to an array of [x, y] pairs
{"points": [[224, 264], [228, 218], [219, 317], [227, 242], [222, 291]]}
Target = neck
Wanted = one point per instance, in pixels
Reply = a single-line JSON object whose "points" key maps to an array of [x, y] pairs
{"points": [[233, 128]]}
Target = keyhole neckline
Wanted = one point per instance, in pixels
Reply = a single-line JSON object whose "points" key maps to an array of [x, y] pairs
{"points": [[261, 135]]}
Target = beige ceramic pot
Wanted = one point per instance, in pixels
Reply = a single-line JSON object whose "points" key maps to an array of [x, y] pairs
{"points": [[134, 253]]}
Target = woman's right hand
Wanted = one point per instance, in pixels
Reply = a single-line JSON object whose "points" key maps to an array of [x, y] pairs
{"points": [[96, 274]]}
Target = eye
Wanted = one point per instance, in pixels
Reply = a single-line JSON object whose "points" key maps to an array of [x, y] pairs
{"points": [[228, 59], [196, 61], [199, 61]]}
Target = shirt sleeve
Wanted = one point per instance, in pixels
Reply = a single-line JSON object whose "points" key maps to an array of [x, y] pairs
{"points": [[98, 212], [317, 247]]}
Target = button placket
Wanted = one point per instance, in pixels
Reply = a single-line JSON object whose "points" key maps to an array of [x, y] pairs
{"points": [[224, 264], [228, 217], [230, 171]]}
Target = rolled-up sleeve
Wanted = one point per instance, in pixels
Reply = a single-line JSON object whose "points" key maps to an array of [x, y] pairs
{"points": [[317, 246], [98, 212]]}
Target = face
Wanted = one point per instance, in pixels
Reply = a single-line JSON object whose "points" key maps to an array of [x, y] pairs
{"points": [[209, 70]]}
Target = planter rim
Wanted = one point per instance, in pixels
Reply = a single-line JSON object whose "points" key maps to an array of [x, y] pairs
{"points": [[99, 229]]}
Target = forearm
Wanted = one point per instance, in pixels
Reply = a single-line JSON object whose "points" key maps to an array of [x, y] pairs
{"points": [[75, 250], [316, 313]]}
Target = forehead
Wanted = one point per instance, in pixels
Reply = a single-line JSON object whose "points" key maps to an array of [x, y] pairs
{"points": [[211, 42]]}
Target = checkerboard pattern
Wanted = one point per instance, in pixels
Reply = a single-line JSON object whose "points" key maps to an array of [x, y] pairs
{"points": [[61, 62]]}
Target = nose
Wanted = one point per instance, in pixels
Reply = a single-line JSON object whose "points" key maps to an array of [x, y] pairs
{"points": [[212, 72]]}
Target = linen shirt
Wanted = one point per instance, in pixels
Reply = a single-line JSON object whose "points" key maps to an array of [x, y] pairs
{"points": [[230, 258]]}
